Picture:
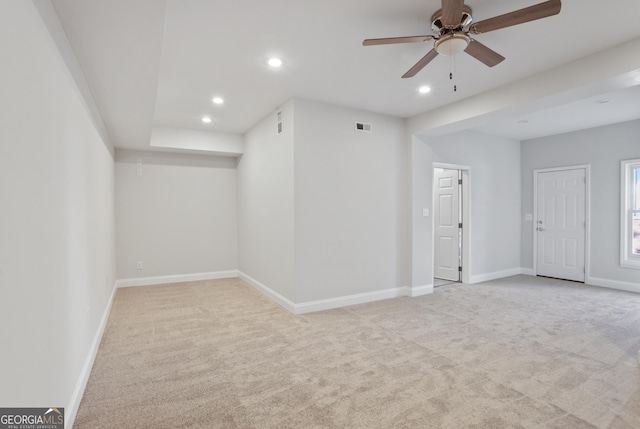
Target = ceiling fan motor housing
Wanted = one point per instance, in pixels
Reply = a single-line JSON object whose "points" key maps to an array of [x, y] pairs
{"points": [[438, 27], [452, 40]]}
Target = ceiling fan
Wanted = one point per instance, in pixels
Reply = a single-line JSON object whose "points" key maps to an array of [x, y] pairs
{"points": [[454, 25]]}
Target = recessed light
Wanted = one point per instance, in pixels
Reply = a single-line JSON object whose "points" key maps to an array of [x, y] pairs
{"points": [[206, 119], [274, 62], [217, 100], [424, 89]]}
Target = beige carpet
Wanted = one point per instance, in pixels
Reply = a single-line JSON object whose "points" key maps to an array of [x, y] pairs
{"points": [[521, 352]]}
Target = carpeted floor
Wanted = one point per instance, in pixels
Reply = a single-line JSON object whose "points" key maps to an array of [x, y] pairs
{"points": [[521, 352]]}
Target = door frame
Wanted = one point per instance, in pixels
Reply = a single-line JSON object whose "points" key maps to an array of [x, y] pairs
{"points": [[587, 203], [465, 200]]}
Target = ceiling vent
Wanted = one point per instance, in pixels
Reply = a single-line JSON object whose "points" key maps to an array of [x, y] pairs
{"points": [[363, 127]]}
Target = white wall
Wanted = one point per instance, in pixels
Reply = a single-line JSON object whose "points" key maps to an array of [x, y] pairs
{"points": [[421, 227], [265, 205], [603, 148], [179, 217], [57, 251], [350, 202], [495, 198]]}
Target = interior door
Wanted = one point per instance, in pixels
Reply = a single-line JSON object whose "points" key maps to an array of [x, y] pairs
{"points": [[446, 225], [560, 224]]}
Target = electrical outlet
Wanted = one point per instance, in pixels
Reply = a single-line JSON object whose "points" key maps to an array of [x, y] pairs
{"points": [[139, 265]]}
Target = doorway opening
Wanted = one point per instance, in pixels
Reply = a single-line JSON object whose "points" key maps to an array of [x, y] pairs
{"points": [[451, 230]]}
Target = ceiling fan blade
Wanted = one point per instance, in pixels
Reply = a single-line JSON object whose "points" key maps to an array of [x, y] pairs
{"points": [[391, 40], [421, 64], [483, 54], [531, 13], [452, 13]]}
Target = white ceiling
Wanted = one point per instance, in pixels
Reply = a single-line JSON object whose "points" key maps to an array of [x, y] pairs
{"points": [[158, 63], [594, 111]]}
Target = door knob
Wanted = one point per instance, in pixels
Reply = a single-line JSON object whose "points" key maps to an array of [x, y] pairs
{"points": [[539, 229]]}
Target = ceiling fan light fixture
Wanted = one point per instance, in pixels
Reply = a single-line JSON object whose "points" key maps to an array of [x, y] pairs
{"points": [[452, 44]]}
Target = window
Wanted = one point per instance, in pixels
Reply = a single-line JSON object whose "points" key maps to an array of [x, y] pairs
{"points": [[630, 214]]}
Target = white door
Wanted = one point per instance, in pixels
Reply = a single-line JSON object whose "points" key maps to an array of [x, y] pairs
{"points": [[446, 225], [560, 224]]}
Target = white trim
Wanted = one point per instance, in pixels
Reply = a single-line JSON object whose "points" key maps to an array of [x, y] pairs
{"points": [[266, 290], [627, 259], [345, 301], [337, 302], [478, 278], [466, 224], [447, 166], [418, 290], [526, 271], [614, 284], [587, 220], [81, 384], [587, 203], [180, 278]]}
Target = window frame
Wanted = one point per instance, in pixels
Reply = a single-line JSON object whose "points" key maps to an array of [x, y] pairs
{"points": [[627, 258]]}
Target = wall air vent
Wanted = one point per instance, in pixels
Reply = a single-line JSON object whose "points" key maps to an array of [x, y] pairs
{"points": [[279, 121], [363, 127]]}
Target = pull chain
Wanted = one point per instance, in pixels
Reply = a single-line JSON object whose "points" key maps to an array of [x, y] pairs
{"points": [[453, 69]]}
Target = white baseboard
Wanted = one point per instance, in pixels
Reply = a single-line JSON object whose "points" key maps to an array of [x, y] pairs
{"points": [[345, 301], [526, 271], [265, 290], [419, 290], [147, 281], [478, 278], [337, 302], [74, 404], [614, 284]]}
